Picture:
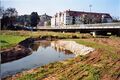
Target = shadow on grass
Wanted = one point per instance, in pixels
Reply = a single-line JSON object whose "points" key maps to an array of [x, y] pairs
{"points": [[2, 41]]}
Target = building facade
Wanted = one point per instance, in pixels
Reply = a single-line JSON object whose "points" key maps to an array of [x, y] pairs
{"points": [[69, 17], [44, 20]]}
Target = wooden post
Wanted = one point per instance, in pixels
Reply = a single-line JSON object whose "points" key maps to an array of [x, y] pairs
{"points": [[94, 34]]}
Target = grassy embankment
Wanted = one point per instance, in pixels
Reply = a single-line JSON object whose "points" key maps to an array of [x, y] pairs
{"points": [[7, 41], [102, 64], [11, 38]]}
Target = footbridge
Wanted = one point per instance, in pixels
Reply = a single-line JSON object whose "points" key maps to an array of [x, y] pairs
{"points": [[95, 29]]}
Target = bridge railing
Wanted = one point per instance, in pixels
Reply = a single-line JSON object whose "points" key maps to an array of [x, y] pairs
{"points": [[100, 24], [89, 26], [85, 26]]}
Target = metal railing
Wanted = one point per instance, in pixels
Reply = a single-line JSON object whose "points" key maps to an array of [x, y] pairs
{"points": [[86, 26]]}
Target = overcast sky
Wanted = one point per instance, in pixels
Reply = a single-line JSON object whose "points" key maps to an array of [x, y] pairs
{"points": [[52, 6]]}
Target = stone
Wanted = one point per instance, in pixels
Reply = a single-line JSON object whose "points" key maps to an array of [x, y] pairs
{"points": [[74, 47]]}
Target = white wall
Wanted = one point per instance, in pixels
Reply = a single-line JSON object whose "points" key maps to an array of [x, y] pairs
{"points": [[53, 22]]}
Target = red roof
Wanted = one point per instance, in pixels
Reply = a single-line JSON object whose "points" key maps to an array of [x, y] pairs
{"points": [[78, 13]]}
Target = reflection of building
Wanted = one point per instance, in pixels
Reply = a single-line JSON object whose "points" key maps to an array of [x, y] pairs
{"points": [[36, 45], [45, 44], [69, 17], [44, 20], [60, 48]]}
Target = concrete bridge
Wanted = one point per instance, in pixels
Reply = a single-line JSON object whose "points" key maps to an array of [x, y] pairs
{"points": [[95, 29]]}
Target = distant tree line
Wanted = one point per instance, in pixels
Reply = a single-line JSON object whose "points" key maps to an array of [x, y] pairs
{"points": [[116, 19], [23, 20], [10, 19]]}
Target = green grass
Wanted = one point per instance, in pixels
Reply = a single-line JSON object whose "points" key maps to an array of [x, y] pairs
{"points": [[10, 38], [46, 33], [81, 72], [72, 69], [107, 50], [42, 72], [65, 72], [76, 69], [7, 41]]}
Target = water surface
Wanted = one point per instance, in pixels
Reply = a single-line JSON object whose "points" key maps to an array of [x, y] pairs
{"points": [[42, 53]]}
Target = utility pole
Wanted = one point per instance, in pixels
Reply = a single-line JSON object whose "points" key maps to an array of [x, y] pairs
{"points": [[90, 13], [90, 7]]}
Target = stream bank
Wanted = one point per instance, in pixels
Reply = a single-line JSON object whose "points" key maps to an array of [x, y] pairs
{"points": [[22, 49], [17, 52], [44, 55]]}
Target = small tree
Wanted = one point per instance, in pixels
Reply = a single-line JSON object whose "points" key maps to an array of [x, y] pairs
{"points": [[116, 19], [34, 18], [9, 18]]}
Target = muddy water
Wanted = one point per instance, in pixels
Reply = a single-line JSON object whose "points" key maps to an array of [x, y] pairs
{"points": [[42, 53]]}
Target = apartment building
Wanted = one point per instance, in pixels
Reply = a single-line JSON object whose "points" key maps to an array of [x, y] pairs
{"points": [[69, 17]]}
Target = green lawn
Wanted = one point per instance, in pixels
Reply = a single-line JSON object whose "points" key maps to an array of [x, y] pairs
{"points": [[9, 40]]}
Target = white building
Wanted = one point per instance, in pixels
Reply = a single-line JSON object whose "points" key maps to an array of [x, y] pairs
{"points": [[69, 17]]}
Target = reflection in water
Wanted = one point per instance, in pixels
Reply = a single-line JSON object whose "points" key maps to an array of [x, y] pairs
{"points": [[59, 48], [45, 44], [36, 45], [45, 54]]}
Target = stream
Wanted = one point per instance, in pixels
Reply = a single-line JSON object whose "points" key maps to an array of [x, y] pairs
{"points": [[42, 53]]}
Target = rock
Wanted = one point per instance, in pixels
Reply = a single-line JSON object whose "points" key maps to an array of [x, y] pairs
{"points": [[72, 46]]}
